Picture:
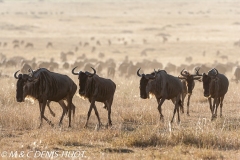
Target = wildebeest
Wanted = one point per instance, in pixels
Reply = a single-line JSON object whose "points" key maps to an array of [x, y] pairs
{"points": [[163, 86], [187, 80], [111, 72], [236, 74], [215, 85], [44, 85], [98, 89]]}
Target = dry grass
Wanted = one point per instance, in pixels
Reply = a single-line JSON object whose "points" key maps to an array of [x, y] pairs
{"points": [[136, 129]]}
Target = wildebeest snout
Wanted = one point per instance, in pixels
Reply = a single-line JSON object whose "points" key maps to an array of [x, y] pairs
{"points": [[206, 95], [143, 96]]}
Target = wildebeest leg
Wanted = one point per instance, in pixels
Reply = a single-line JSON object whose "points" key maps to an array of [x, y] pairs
{"points": [[96, 113], [160, 102], [73, 109], [217, 104], [183, 97], [89, 113], [109, 111], [188, 102], [42, 109], [62, 104], [69, 106], [214, 107], [210, 104], [52, 113], [221, 104], [176, 108]]}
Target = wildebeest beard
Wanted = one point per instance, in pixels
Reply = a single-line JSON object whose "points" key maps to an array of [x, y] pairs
{"points": [[143, 85], [147, 88], [206, 84], [20, 84], [86, 85], [31, 89], [153, 88], [190, 85]]}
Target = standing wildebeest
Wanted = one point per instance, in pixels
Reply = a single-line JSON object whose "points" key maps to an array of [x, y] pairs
{"points": [[215, 85], [188, 85], [98, 89], [236, 74], [44, 86], [163, 86]]}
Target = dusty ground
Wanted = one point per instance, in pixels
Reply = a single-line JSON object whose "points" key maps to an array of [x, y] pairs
{"points": [[204, 30]]}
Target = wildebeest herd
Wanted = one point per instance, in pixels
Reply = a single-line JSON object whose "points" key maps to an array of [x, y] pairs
{"points": [[47, 86]]}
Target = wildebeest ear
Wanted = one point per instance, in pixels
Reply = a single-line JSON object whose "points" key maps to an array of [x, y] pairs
{"points": [[197, 78], [179, 77]]}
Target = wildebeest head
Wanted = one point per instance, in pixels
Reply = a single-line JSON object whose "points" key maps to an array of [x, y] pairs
{"points": [[145, 78], [207, 79], [83, 76], [189, 79], [22, 79]]}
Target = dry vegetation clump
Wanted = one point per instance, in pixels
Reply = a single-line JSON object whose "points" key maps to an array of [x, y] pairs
{"points": [[150, 136]]}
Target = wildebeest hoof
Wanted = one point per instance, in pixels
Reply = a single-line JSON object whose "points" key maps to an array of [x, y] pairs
{"points": [[108, 125], [214, 117], [40, 126], [162, 118]]}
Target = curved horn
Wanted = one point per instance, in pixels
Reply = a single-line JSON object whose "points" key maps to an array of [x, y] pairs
{"points": [[216, 71], [74, 72], [184, 75], [139, 73], [197, 72], [15, 74], [93, 71]]}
